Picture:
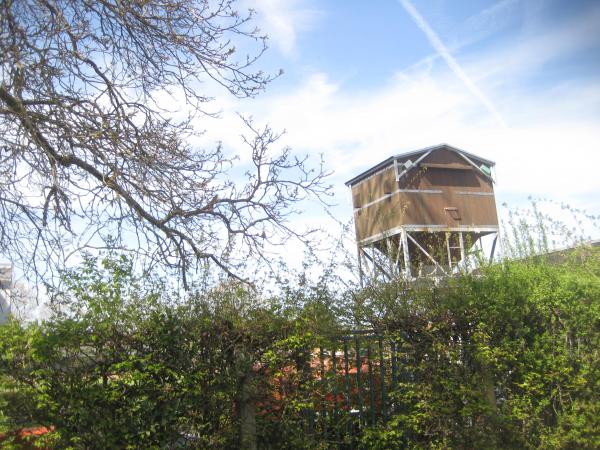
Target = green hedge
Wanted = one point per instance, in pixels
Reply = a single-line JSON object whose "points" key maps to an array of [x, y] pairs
{"points": [[123, 364], [507, 358]]}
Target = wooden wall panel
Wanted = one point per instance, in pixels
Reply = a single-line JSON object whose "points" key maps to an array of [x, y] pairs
{"points": [[454, 204], [374, 187]]}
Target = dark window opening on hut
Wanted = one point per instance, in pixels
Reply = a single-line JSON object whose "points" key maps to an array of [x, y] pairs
{"points": [[441, 177]]}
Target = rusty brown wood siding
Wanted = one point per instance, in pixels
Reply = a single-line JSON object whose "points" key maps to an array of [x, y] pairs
{"points": [[374, 187], [416, 208], [379, 216]]}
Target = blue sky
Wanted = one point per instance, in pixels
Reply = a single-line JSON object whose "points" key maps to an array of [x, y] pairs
{"points": [[515, 81], [364, 43]]}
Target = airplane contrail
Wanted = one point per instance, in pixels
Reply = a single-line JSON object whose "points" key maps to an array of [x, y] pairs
{"points": [[443, 51]]}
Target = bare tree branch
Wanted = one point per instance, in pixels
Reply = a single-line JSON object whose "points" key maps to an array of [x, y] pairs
{"points": [[88, 152]]}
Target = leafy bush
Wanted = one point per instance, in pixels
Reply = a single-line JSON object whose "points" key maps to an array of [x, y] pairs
{"points": [[505, 358], [508, 358], [123, 364], [117, 366]]}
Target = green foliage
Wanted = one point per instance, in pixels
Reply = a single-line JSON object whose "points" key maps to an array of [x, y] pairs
{"points": [[506, 359], [122, 364]]}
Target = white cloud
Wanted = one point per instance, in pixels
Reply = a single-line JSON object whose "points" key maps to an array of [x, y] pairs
{"points": [[453, 64], [488, 21], [283, 20], [549, 149], [528, 54]]}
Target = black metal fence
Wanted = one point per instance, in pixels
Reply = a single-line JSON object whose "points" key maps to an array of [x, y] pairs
{"points": [[355, 379]]}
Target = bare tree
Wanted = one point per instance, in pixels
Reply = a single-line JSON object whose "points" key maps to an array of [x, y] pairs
{"points": [[87, 151]]}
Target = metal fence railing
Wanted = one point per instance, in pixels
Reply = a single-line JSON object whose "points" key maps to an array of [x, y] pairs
{"points": [[355, 376]]}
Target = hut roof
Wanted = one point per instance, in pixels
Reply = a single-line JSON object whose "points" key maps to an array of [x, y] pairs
{"points": [[420, 154]]}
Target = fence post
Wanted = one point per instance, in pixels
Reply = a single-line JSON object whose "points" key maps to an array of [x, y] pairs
{"points": [[247, 411]]}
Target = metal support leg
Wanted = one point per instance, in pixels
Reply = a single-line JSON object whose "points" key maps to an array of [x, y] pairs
{"points": [[493, 248], [414, 241], [360, 266], [371, 257], [397, 262], [461, 244], [404, 239], [388, 243], [377, 266], [449, 252]]}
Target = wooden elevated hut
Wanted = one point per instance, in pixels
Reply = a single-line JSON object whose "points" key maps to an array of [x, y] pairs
{"points": [[420, 213]]}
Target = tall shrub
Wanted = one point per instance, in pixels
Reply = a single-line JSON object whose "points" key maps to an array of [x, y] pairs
{"points": [[507, 358]]}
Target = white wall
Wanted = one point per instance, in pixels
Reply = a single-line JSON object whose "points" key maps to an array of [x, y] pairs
{"points": [[4, 305], [5, 284]]}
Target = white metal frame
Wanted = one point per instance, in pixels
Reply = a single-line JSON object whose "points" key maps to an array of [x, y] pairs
{"points": [[369, 263]]}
